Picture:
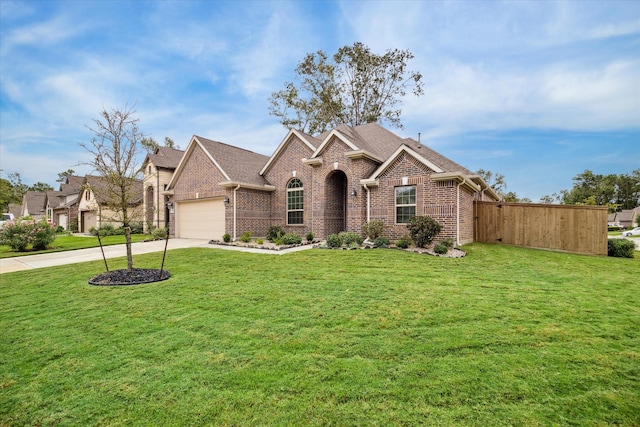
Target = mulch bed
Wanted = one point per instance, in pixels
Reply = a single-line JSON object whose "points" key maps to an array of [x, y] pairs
{"points": [[125, 277]]}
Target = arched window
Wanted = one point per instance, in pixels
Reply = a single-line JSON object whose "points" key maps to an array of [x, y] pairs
{"points": [[295, 202]]}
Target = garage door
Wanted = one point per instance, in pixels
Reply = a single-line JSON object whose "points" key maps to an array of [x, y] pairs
{"points": [[89, 220], [201, 219], [62, 221]]}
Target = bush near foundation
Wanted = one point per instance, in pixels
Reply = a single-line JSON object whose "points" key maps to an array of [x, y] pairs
{"points": [[423, 229]]}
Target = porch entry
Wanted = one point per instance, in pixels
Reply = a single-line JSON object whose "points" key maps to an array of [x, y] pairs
{"points": [[335, 196]]}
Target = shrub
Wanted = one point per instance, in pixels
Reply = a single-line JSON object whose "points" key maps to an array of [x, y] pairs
{"points": [[381, 241], [351, 239], [105, 230], [334, 241], [278, 241], [373, 229], [449, 243], [59, 229], [137, 227], [423, 230], [274, 232], [441, 249], [246, 237], [291, 239], [622, 248], [42, 235], [159, 233], [259, 241], [226, 237], [20, 234], [16, 235], [402, 243], [310, 237]]}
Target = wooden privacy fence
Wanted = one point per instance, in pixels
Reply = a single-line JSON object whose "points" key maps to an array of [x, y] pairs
{"points": [[579, 229]]}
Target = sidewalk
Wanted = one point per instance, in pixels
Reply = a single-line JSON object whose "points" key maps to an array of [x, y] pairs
{"points": [[27, 262]]}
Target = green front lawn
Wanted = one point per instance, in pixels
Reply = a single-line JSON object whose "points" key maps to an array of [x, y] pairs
{"points": [[65, 242], [504, 336]]}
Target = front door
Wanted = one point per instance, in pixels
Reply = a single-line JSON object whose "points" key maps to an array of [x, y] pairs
{"points": [[335, 209]]}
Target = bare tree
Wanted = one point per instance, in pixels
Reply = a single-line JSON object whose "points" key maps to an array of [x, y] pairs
{"points": [[114, 149]]}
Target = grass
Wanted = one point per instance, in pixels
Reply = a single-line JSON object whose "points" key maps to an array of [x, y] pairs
{"points": [[504, 336], [65, 242]]}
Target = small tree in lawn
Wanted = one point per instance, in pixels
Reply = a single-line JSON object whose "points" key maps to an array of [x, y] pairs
{"points": [[114, 149]]}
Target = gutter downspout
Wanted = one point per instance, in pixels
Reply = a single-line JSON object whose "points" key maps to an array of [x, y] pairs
{"points": [[458, 210], [235, 213], [157, 198], [368, 202]]}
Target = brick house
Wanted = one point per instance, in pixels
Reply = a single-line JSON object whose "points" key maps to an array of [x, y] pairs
{"points": [[34, 205], [326, 184], [158, 169], [93, 205], [65, 213]]}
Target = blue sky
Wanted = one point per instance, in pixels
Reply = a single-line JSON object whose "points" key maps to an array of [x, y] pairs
{"points": [[537, 91]]}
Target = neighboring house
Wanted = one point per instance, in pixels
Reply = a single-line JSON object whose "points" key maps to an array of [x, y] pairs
{"points": [[158, 169], [326, 184], [15, 209], [51, 202], [93, 205], [65, 214], [34, 204], [625, 218]]}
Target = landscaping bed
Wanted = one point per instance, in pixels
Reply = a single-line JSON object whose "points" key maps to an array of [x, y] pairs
{"points": [[125, 277]]}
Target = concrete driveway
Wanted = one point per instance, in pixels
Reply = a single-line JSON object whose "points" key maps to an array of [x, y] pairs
{"points": [[27, 262]]}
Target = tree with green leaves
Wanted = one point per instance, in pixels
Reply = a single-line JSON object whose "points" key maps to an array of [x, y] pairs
{"points": [[616, 191], [495, 181], [40, 186], [13, 189], [151, 145], [114, 149], [62, 176], [354, 87]]}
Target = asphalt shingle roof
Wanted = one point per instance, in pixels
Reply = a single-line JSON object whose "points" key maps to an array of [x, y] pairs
{"points": [[35, 202], [101, 190], [239, 164], [383, 143], [166, 157]]}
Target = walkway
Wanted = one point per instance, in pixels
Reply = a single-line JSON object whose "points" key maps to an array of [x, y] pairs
{"points": [[28, 262]]}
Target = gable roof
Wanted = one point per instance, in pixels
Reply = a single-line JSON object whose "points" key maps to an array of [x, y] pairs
{"points": [[165, 158], [52, 198], [308, 140], [380, 144], [98, 185], [237, 165], [34, 202]]}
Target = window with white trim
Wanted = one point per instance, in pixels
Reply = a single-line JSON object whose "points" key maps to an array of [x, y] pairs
{"points": [[295, 202], [405, 204]]}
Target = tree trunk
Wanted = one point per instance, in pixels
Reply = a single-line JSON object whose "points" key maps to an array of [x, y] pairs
{"points": [[127, 236]]}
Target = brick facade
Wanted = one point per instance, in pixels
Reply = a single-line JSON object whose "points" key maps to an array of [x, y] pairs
{"points": [[288, 165], [339, 187]]}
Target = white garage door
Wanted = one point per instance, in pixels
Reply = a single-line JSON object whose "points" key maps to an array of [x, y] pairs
{"points": [[62, 221], [201, 219]]}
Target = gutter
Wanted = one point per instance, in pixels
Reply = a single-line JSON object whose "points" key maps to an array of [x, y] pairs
{"points": [[235, 213], [458, 210], [368, 201], [157, 197]]}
